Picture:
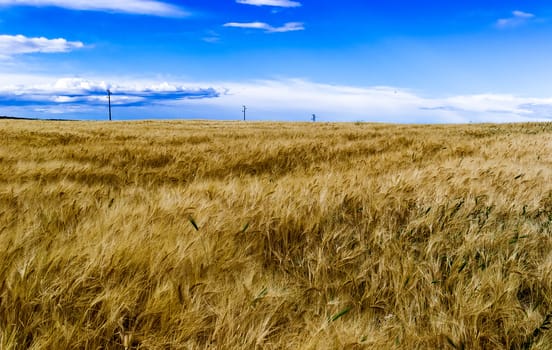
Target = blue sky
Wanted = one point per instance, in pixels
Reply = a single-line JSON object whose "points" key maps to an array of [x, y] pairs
{"points": [[391, 61]]}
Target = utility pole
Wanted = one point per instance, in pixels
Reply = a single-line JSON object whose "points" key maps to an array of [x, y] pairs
{"points": [[109, 102], [243, 110]]}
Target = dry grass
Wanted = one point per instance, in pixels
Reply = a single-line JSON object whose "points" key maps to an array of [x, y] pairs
{"points": [[195, 235]]}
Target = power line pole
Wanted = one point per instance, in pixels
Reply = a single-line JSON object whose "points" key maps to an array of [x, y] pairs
{"points": [[109, 102], [243, 110]]}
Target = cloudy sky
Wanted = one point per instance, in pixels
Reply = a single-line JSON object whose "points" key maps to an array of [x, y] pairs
{"points": [[417, 61]]}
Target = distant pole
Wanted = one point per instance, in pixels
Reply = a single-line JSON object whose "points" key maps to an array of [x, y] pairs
{"points": [[314, 118], [244, 109], [109, 102]]}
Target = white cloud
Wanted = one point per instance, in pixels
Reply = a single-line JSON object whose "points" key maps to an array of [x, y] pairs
{"points": [[19, 44], [521, 14], [518, 18], [78, 91], [288, 27], [248, 25], [211, 37], [143, 7], [274, 3]]}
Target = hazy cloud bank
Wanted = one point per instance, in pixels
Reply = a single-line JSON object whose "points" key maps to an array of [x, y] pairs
{"points": [[277, 99]]}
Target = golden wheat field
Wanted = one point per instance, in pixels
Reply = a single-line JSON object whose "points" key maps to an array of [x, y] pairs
{"points": [[229, 235]]}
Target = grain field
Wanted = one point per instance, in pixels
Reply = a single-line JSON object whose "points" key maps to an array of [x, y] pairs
{"points": [[229, 235]]}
